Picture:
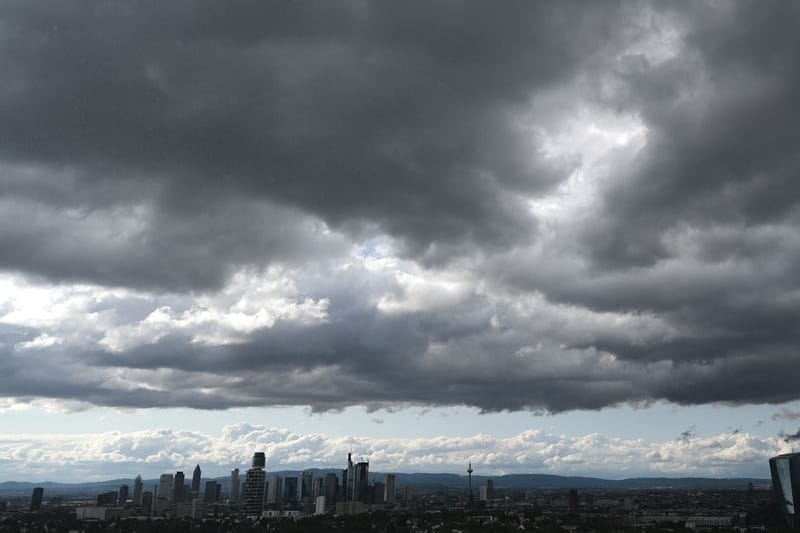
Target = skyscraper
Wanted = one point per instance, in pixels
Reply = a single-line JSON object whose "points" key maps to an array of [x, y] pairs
{"points": [[388, 495], [210, 495], [306, 485], [233, 498], [164, 494], [377, 492], [123, 495], [137, 491], [349, 479], [107, 499], [36, 498], [196, 482], [572, 500], [785, 472], [290, 489], [331, 488], [275, 490], [254, 486], [361, 485], [147, 502], [177, 487]]}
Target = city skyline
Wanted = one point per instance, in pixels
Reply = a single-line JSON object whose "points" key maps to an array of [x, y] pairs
{"points": [[547, 237]]}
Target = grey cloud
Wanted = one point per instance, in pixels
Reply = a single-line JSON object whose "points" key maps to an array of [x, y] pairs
{"points": [[163, 148], [401, 118], [722, 144], [135, 246], [700, 228]]}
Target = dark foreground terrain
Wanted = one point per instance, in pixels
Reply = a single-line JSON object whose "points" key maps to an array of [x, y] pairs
{"points": [[546, 511]]}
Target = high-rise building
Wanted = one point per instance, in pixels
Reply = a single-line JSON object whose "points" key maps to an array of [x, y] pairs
{"points": [[253, 497], [196, 482], [361, 484], [785, 472], [306, 485], [573, 501], [164, 494], [388, 494], [376, 492], [319, 489], [137, 491], [233, 497], [107, 499], [36, 498], [350, 478], [490, 489], [275, 490], [123, 494], [147, 502], [210, 495], [290, 490], [177, 487], [331, 487], [319, 505]]}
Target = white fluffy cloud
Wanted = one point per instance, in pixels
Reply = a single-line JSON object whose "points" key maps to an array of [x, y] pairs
{"points": [[97, 456]]}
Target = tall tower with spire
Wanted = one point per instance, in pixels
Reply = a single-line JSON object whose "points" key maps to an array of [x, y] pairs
{"points": [[196, 482], [137, 491], [469, 473]]}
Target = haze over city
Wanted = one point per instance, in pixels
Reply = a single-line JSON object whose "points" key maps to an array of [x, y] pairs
{"points": [[541, 237]]}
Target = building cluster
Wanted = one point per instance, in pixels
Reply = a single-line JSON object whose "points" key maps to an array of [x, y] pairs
{"points": [[251, 493], [350, 493], [255, 495]]}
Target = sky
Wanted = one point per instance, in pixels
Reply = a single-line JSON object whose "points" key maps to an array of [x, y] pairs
{"points": [[556, 237]]}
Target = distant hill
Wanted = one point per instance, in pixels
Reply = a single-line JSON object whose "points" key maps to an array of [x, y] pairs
{"points": [[418, 482]]}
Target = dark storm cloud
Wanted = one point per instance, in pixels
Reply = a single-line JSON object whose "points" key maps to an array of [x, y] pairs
{"points": [[700, 229], [168, 147], [722, 142], [392, 116]]}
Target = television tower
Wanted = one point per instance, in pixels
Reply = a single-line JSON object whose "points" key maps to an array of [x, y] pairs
{"points": [[469, 472]]}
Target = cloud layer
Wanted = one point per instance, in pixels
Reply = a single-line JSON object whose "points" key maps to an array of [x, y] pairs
{"points": [[545, 206], [99, 456]]}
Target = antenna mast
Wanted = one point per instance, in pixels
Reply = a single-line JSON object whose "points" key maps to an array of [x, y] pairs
{"points": [[469, 472]]}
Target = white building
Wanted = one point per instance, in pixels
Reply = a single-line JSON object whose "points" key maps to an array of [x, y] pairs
{"points": [[319, 507], [98, 513]]}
